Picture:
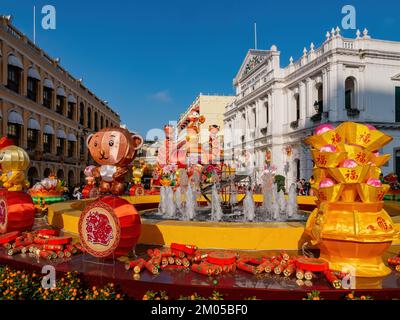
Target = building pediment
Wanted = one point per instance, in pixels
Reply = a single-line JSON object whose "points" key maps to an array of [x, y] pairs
{"points": [[396, 77], [253, 60]]}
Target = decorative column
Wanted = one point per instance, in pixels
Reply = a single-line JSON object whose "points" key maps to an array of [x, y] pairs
{"points": [[24, 129], [4, 62]]}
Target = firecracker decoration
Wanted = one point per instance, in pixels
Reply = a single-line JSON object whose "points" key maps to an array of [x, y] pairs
{"points": [[109, 227], [395, 262], [350, 225], [40, 244]]}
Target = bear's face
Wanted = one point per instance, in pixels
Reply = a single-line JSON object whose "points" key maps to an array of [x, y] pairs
{"points": [[113, 146]]}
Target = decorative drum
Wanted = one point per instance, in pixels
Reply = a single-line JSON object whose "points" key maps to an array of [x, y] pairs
{"points": [[17, 211], [109, 227]]}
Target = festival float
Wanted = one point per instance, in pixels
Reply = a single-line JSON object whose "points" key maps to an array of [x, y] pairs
{"points": [[350, 225]]}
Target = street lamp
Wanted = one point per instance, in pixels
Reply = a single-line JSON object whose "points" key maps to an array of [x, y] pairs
{"points": [[316, 106]]}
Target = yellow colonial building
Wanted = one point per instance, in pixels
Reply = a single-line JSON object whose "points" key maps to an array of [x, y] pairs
{"points": [[212, 108], [45, 110]]}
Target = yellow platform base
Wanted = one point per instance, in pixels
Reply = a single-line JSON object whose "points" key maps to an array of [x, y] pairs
{"points": [[241, 236]]}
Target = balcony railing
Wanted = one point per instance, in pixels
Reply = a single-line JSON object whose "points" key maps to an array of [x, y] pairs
{"points": [[353, 113], [316, 117]]}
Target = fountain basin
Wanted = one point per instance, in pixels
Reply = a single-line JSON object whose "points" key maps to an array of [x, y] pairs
{"points": [[222, 235]]}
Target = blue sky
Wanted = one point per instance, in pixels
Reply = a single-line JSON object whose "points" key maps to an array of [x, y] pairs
{"points": [[150, 59]]}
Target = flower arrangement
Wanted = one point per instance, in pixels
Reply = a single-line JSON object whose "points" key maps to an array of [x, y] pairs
{"points": [[211, 172], [352, 296], [313, 295], [168, 175], [155, 295], [21, 285], [162, 295], [392, 180]]}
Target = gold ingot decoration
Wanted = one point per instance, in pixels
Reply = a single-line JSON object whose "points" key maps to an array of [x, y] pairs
{"points": [[380, 160], [330, 194], [350, 225], [371, 194], [333, 137], [328, 159], [350, 175], [360, 135], [357, 154]]}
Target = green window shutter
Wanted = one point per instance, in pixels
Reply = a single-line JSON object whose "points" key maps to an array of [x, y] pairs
{"points": [[397, 104]]}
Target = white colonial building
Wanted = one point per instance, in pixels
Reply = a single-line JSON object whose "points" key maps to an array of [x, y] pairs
{"points": [[343, 80]]}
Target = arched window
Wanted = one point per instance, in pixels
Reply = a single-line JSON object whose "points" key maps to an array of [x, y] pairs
{"points": [[107, 123], [71, 107], [266, 106], [33, 176], [81, 113], [32, 134], [319, 105], [89, 120], [101, 122], [60, 174], [14, 127], [46, 173], [48, 88], [71, 178], [14, 73], [60, 100], [350, 93], [33, 84], [297, 106], [96, 121], [298, 169], [82, 146]]}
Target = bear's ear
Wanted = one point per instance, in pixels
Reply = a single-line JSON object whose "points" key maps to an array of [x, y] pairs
{"points": [[88, 139], [137, 141]]}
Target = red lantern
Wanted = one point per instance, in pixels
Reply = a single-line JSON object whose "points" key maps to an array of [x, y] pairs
{"points": [[109, 227], [17, 211]]}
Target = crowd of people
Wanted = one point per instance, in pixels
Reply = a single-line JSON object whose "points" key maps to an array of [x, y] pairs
{"points": [[304, 187]]}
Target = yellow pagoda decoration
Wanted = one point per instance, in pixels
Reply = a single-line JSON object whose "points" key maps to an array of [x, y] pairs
{"points": [[350, 225]]}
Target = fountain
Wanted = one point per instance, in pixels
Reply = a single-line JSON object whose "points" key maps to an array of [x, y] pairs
{"points": [[282, 205], [178, 200], [216, 210], [249, 207], [292, 206], [190, 204], [162, 208], [267, 185], [170, 208]]}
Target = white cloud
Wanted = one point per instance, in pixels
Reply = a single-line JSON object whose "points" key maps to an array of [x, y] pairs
{"points": [[162, 96]]}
